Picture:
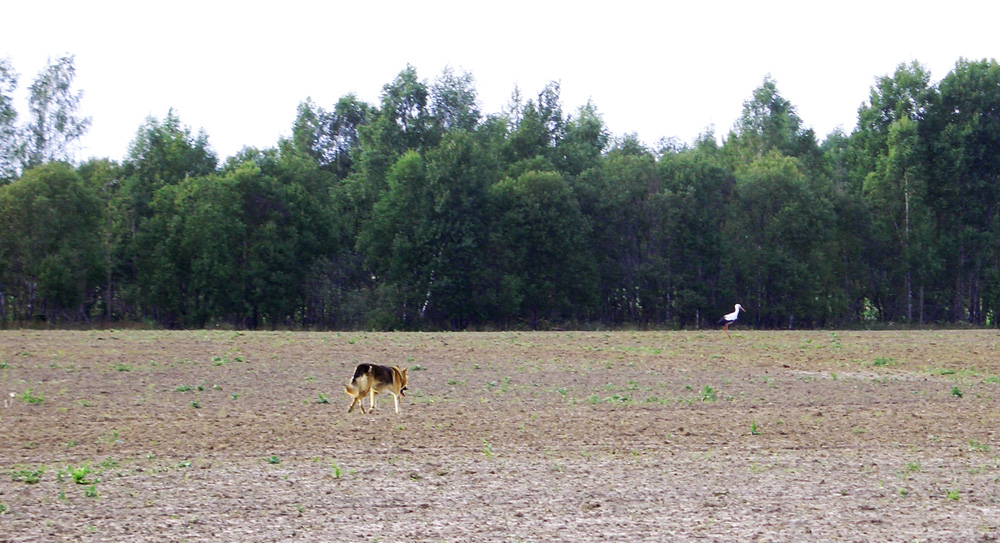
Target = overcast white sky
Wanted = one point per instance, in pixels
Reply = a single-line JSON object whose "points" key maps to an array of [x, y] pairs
{"points": [[238, 70]]}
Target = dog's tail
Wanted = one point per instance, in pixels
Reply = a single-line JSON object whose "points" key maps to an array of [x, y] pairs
{"points": [[351, 390]]}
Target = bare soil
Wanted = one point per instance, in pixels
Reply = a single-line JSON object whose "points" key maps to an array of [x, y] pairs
{"points": [[559, 436]]}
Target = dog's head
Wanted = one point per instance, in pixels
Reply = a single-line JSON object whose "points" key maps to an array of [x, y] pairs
{"points": [[402, 380]]}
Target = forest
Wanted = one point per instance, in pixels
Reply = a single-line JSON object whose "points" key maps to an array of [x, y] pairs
{"points": [[422, 212]]}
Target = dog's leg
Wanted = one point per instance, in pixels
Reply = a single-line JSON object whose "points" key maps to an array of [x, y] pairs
{"points": [[358, 401], [395, 398], [371, 400], [352, 391]]}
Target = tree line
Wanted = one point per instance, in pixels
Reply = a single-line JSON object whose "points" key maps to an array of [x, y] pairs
{"points": [[423, 212]]}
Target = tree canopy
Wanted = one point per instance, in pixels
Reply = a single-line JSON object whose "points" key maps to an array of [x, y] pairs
{"points": [[422, 211]]}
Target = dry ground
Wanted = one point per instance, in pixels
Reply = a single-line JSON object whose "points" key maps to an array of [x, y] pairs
{"points": [[585, 436]]}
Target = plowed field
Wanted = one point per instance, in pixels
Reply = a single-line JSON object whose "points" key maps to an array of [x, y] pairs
{"points": [[556, 436]]}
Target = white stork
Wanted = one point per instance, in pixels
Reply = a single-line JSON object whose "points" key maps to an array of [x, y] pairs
{"points": [[730, 318]]}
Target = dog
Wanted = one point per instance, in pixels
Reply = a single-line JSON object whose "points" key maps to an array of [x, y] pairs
{"points": [[371, 379]]}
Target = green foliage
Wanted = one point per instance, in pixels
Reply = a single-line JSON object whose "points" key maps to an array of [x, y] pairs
{"points": [[894, 173], [977, 446], [770, 123], [189, 251], [540, 244], [621, 207], [453, 101], [235, 245], [778, 234], [28, 476], [10, 143], [31, 397], [53, 125], [428, 233], [961, 132], [685, 271], [882, 362], [537, 127], [80, 475], [329, 138], [165, 153], [51, 253], [423, 212], [708, 394]]}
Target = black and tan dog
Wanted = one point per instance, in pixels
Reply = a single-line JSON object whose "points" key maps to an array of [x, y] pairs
{"points": [[370, 379]]}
